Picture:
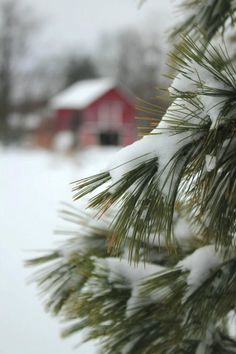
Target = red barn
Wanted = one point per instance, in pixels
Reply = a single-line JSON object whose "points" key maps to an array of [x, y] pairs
{"points": [[97, 111]]}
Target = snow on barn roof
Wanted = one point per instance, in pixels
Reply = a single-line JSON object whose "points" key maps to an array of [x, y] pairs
{"points": [[82, 93]]}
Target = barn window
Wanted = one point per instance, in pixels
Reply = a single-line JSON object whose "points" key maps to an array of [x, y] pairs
{"points": [[75, 120], [109, 138]]}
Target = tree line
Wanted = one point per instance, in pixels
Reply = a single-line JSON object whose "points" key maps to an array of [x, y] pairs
{"points": [[132, 57]]}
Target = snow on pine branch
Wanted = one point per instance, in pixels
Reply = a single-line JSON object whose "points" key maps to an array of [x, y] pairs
{"points": [[200, 264], [173, 154], [121, 273], [213, 91], [196, 267], [208, 73], [162, 143]]}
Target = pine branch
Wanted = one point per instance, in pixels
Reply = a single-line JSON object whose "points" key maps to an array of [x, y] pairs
{"points": [[166, 208], [207, 17], [149, 190]]}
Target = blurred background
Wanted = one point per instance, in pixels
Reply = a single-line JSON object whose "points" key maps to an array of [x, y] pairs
{"points": [[74, 77]]}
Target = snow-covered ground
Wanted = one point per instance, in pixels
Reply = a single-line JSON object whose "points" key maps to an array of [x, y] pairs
{"points": [[32, 185]]}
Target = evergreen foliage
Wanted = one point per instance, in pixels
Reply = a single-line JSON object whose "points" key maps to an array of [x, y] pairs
{"points": [[150, 267]]}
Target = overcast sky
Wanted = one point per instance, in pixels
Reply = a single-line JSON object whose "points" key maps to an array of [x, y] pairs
{"points": [[75, 23]]}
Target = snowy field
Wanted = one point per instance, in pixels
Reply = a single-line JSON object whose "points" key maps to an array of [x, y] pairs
{"points": [[33, 183]]}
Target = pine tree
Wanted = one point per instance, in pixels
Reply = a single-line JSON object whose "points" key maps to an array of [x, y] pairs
{"points": [[150, 267]]}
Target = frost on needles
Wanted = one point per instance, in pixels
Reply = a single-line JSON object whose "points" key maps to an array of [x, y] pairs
{"points": [[150, 266]]}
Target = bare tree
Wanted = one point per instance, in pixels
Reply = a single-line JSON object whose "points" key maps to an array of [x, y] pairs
{"points": [[16, 27], [135, 60], [79, 68]]}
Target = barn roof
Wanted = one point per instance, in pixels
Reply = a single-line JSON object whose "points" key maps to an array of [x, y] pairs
{"points": [[82, 93]]}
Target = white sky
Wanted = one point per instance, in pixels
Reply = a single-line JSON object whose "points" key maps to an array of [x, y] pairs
{"points": [[80, 23]]}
